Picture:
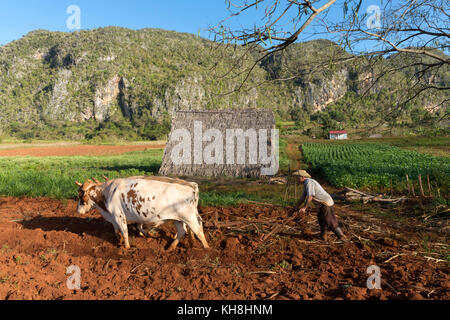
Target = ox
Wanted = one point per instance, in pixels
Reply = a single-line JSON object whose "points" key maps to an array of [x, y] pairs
{"points": [[144, 200]]}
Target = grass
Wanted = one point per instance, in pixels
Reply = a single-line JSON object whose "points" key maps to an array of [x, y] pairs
{"points": [[226, 199], [54, 177], [232, 191], [223, 199], [284, 161]]}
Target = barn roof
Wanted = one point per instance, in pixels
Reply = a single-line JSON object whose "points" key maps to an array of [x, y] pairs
{"points": [[338, 132], [222, 120]]}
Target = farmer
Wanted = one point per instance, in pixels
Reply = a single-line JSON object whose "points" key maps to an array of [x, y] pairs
{"points": [[313, 192]]}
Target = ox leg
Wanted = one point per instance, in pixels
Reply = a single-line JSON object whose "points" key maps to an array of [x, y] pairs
{"points": [[124, 231], [191, 236], [153, 228], [119, 237], [185, 229], [197, 228], [181, 231], [121, 222], [141, 230], [117, 233]]}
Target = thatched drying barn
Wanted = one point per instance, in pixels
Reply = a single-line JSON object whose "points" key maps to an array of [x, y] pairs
{"points": [[227, 143]]}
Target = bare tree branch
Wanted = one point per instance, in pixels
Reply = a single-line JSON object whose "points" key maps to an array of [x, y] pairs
{"points": [[407, 37]]}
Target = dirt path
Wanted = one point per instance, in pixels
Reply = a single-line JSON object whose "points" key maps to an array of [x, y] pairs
{"points": [[294, 154], [72, 150], [40, 238]]}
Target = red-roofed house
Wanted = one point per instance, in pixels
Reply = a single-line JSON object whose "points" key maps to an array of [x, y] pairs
{"points": [[338, 135]]}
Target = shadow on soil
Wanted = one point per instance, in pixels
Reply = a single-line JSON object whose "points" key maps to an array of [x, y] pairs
{"points": [[91, 226], [96, 227]]}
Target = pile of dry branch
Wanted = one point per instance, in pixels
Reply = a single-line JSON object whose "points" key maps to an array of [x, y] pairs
{"points": [[355, 195], [262, 226]]}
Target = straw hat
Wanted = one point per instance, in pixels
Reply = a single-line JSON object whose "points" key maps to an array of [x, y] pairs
{"points": [[301, 173]]}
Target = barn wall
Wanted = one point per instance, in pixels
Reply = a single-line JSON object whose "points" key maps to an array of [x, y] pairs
{"points": [[221, 120]]}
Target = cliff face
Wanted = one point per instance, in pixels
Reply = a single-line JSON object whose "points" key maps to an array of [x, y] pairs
{"points": [[111, 73], [116, 73], [321, 93]]}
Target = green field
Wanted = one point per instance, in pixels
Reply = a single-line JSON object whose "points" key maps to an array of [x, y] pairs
{"points": [[370, 165], [55, 176], [374, 165]]}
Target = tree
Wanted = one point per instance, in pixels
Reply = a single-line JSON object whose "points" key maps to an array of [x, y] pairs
{"points": [[407, 35]]}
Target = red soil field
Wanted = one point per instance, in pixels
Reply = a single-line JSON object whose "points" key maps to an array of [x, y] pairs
{"points": [[74, 150], [40, 238]]}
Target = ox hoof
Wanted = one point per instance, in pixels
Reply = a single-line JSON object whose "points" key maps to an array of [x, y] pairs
{"points": [[173, 246], [152, 234]]}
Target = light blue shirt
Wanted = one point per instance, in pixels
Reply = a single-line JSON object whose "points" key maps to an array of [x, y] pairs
{"points": [[312, 188]]}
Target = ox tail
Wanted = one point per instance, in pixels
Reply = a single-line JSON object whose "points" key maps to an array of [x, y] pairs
{"points": [[197, 196], [196, 200]]}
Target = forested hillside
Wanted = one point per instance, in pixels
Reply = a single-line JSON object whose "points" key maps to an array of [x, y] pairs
{"points": [[116, 82]]}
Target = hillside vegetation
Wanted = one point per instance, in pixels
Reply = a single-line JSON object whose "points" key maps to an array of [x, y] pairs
{"points": [[125, 84]]}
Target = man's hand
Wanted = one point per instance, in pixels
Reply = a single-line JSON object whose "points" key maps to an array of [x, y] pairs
{"points": [[302, 210]]}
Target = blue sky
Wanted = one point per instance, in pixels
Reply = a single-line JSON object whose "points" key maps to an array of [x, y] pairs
{"points": [[18, 17]]}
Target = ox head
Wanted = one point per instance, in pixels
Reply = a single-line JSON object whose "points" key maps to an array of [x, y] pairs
{"points": [[87, 195]]}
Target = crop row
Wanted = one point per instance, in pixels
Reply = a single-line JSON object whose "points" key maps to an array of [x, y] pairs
{"points": [[373, 165]]}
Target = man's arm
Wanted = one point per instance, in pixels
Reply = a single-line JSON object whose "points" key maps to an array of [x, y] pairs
{"points": [[307, 205], [302, 199]]}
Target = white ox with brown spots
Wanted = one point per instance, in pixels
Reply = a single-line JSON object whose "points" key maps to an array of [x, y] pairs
{"points": [[144, 200]]}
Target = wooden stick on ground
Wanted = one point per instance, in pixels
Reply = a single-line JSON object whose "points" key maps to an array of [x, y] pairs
{"points": [[262, 272], [429, 185], [278, 228], [393, 257], [434, 259], [268, 204]]}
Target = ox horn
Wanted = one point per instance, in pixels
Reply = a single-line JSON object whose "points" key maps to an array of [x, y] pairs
{"points": [[96, 181], [78, 184], [106, 178]]}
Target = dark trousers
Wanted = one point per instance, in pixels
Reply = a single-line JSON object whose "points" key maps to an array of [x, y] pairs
{"points": [[327, 219]]}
